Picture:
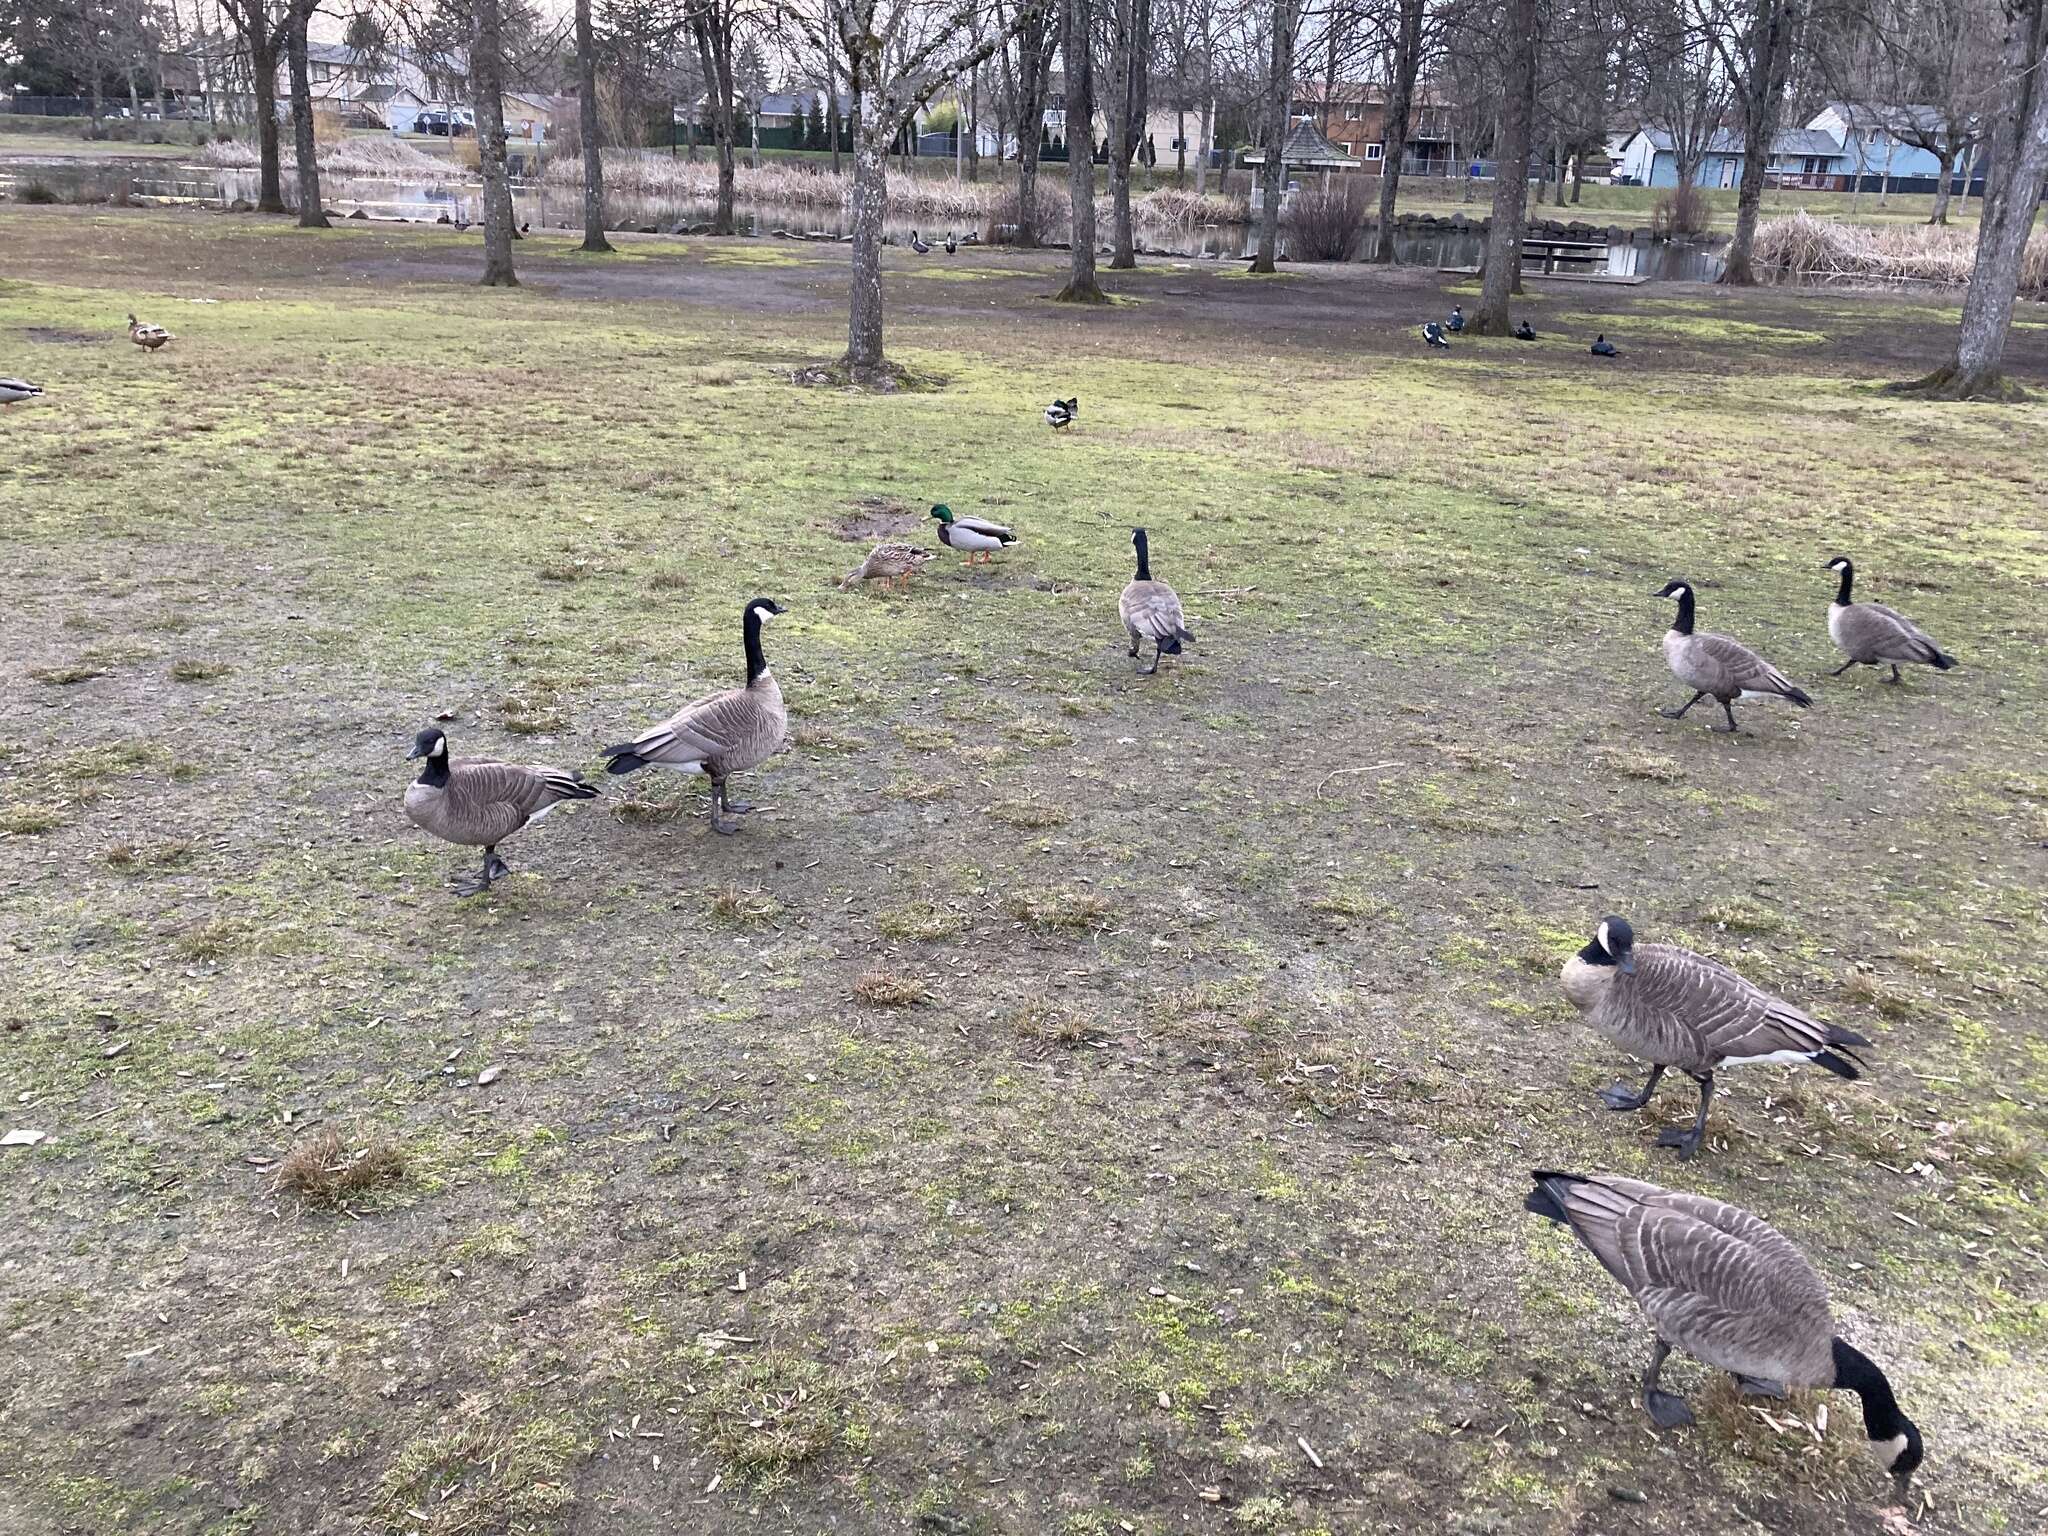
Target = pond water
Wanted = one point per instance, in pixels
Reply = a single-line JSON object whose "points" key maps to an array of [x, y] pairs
{"points": [[562, 207]]}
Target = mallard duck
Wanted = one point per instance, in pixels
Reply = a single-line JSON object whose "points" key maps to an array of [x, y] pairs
{"points": [[919, 244], [970, 238], [14, 391], [952, 245], [722, 733], [1602, 347], [1457, 320], [1718, 667], [1061, 413], [891, 562], [1524, 331], [1869, 634], [972, 534], [1674, 1008], [147, 337], [1729, 1290], [1151, 610], [475, 802], [1433, 333]]}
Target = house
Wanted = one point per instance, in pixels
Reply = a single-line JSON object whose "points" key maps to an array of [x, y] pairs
{"points": [[1352, 115], [1800, 157], [1873, 150], [396, 107]]}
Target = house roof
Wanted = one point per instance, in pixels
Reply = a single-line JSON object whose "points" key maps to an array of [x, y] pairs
{"points": [[1790, 141], [377, 95], [1306, 145], [1870, 114]]}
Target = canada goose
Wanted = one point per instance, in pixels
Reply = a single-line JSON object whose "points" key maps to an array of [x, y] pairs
{"points": [[919, 244], [1729, 1290], [1717, 666], [14, 391], [952, 245], [1457, 320], [891, 562], [147, 337], [1602, 347], [1434, 335], [1151, 610], [1869, 634], [476, 802], [1524, 331], [1061, 413], [720, 734], [972, 534], [1678, 1009]]}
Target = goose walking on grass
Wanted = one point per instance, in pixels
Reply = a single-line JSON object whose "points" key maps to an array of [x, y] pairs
{"points": [[1061, 413], [476, 802], [919, 244], [14, 391], [722, 733], [1717, 667], [1871, 635], [147, 337], [1729, 1290], [1433, 333], [892, 562], [1676, 1009], [1151, 610], [975, 535], [1602, 347]]}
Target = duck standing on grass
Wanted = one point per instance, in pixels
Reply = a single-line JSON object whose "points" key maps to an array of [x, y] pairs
{"points": [[1729, 1290], [1871, 634], [475, 802], [892, 562], [1718, 667], [1061, 413], [1151, 610], [147, 337], [14, 391], [973, 534], [722, 733], [1433, 333]]}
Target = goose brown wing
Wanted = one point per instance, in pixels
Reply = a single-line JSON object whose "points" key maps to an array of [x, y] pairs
{"points": [[486, 800], [1738, 667], [1730, 1018], [1152, 608], [1885, 634], [727, 731]]}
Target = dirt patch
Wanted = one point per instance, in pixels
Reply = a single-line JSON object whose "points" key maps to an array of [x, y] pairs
{"points": [[54, 336], [875, 518]]}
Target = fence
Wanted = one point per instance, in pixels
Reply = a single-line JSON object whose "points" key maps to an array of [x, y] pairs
{"points": [[55, 106]]}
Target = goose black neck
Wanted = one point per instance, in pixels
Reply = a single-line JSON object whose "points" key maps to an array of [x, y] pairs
{"points": [[1858, 1373], [1144, 559], [1593, 954], [435, 774], [1683, 623], [757, 663], [1848, 582]]}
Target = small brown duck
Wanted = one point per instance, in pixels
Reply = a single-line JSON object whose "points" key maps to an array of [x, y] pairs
{"points": [[892, 562], [147, 337]]}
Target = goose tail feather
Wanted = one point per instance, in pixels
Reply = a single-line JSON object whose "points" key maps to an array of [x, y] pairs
{"points": [[1544, 1200]]}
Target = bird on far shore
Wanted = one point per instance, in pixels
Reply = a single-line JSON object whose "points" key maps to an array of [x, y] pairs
{"points": [[1602, 347]]}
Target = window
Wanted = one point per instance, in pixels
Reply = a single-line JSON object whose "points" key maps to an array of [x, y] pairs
{"points": [[1372, 151]]}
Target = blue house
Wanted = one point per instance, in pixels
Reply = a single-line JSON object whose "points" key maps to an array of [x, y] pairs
{"points": [[1873, 149], [1800, 157]]}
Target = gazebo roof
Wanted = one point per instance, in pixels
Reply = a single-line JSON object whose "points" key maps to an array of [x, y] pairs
{"points": [[1306, 146]]}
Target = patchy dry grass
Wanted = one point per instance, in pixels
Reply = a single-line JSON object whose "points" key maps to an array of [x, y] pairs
{"points": [[891, 989], [322, 1169]]}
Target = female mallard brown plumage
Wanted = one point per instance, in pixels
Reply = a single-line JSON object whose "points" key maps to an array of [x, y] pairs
{"points": [[147, 337], [476, 802], [892, 562], [720, 734]]}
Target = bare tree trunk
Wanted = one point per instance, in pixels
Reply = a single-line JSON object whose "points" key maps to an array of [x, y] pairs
{"points": [[311, 214], [714, 55], [592, 133], [1034, 66], [487, 92], [1770, 58], [1203, 148], [832, 104], [263, 85], [1943, 187], [754, 132], [1132, 50], [1578, 173], [2019, 157], [870, 208], [1400, 108], [1510, 174], [1081, 288], [1273, 174]]}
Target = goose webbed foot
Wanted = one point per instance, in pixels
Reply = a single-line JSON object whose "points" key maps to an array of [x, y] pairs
{"points": [[1731, 727], [1686, 1141], [1758, 1386], [1621, 1096], [494, 869], [1679, 713], [1667, 1410], [1894, 678]]}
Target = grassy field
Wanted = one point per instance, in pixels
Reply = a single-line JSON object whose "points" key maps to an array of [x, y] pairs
{"points": [[1072, 1093]]}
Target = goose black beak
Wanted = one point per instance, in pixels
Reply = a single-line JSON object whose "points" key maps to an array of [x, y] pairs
{"points": [[1627, 965], [415, 752]]}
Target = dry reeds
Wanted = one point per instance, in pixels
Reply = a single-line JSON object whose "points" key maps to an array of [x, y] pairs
{"points": [[1804, 249], [383, 159]]}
